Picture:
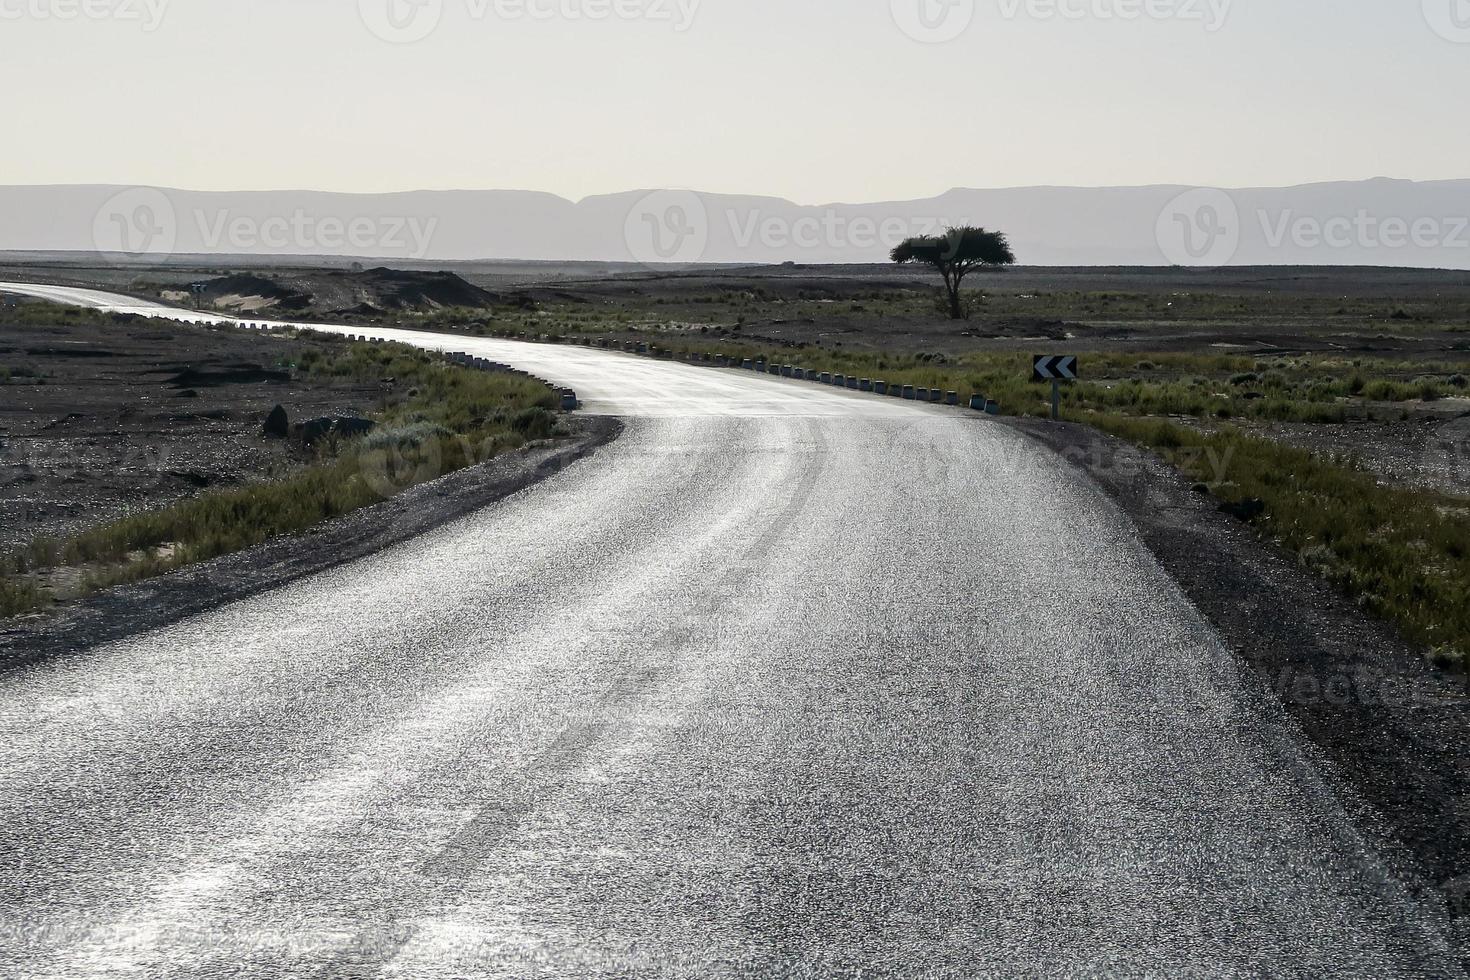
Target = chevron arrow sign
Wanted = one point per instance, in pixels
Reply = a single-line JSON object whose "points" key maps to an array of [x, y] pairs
{"points": [[1054, 367]]}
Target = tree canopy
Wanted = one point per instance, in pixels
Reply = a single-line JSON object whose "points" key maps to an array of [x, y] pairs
{"points": [[955, 254]]}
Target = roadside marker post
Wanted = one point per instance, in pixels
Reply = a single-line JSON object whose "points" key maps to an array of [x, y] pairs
{"points": [[1055, 368]]}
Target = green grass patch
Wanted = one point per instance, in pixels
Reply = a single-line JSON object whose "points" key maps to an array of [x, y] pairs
{"points": [[18, 595], [1403, 554]]}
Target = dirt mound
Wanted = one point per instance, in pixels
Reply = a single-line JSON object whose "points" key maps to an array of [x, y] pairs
{"points": [[357, 292], [247, 292], [396, 289]]}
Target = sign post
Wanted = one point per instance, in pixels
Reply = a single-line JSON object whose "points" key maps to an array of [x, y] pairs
{"points": [[1055, 368]]}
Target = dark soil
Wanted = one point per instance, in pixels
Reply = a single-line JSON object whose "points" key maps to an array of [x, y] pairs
{"points": [[101, 417]]}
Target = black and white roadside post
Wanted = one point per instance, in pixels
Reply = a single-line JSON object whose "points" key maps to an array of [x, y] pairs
{"points": [[1055, 368]]}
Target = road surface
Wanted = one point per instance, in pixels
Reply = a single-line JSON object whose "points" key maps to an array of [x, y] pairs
{"points": [[786, 681]]}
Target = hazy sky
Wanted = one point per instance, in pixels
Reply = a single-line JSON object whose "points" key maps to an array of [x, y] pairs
{"points": [[815, 100]]}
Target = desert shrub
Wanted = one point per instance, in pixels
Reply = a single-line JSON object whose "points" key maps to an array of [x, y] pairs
{"points": [[19, 595], [1384, 391], [413, 434], [1323, 562]]}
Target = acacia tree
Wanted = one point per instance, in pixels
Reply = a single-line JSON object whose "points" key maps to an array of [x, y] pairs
{"points": [[955, 254]]}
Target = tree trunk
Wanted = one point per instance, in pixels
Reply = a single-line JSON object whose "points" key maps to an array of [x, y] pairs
{"points": [[956, 311]]}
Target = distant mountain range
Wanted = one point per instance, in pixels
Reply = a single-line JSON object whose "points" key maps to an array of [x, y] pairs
{"points": [[1379, 222]]}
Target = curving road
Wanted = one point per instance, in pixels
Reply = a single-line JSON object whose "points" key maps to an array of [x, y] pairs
{"points": [[786, 681]]}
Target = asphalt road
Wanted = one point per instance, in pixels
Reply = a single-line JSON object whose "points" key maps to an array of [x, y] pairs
{"points": [[785, 681]]}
